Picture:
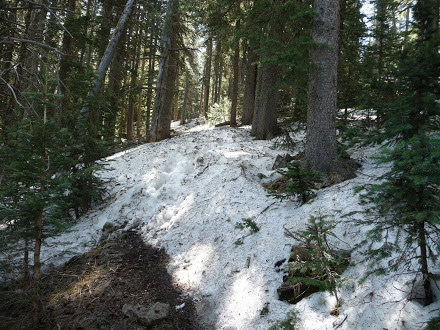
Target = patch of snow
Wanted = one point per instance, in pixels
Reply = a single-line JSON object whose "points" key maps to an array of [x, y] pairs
{"points": [[186, 194]]}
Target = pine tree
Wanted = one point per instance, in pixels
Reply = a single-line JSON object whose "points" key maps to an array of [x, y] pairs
{"points": [[408, 199]]}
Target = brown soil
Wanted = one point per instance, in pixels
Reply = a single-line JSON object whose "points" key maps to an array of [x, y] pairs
{"points": [[89, 291]]}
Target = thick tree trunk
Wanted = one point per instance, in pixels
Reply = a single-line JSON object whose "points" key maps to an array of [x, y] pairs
{"points": [[320, 149], [250, 88], [162, 112], [264, 120]]}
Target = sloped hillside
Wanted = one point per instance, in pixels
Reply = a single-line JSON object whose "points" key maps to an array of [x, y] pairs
{"points": [[187, 195]]}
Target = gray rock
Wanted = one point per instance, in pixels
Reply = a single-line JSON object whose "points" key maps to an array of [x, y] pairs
{"points": [[107, 229], [280, 161], [87, 322], [154, 313]]}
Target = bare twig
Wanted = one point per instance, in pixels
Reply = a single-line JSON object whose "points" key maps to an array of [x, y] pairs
{"points": [[12, 91], [12, 39]]}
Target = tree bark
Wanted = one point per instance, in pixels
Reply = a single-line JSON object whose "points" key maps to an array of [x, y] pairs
{"points": [[139, 105], [162, 111], [104, 32], [207, 78], [217, 73], [7, 51], [250, 88], [105, 61], [234, 100], [321, 148], [264, 121], [133, 80], [185, 99], [65, 64], [176, 98], [149, 97]]}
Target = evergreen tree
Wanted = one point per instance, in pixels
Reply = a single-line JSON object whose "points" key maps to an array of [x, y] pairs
{"points": [[408, 199]]}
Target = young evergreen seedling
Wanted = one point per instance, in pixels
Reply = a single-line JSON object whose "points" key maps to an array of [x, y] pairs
{"points": [[318, 265], [300, 184]]}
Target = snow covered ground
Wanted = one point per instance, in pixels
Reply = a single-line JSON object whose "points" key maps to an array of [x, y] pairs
{"points": [[188, 193]]}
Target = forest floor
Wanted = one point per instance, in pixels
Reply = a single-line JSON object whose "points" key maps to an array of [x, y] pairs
{"points": [[90, 291], [179, 210]]}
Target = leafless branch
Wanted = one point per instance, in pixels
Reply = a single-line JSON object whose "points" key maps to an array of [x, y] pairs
{"points": [[12, 39], [12, 91]]}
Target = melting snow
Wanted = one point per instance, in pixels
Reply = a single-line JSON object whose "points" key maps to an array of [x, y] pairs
{"points": [[186, 195]]}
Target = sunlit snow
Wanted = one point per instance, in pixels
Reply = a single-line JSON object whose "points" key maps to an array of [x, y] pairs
{"points": [[187, 194]]}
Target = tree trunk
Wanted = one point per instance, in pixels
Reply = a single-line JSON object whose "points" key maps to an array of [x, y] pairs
{"points": [[320, 149], [65, 64], [27, 70], [104, 32], [236, 58], [133, 80], [176, 99], [201, 101], [207, 77], [185, 99], [115, 82], [250, 88], [85, 31], [428, 299], [7, 51], [264, 121], [162, 111], [105, 62], [217, 73], [149, 97], [38, 239], [139, 105]]}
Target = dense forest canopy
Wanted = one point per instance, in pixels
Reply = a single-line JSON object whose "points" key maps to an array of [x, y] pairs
{"points": [[81, 79]]}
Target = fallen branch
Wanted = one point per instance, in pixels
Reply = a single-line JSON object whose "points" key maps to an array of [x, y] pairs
{"points": [[225, 123], [341, 322]]}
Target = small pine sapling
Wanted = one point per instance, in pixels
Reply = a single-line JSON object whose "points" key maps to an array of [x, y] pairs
{"points": [[246, 223], [300, 184], [321, 267]]}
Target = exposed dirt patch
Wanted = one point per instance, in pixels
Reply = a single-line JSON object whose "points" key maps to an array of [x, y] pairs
{"points": [[89, 292]]}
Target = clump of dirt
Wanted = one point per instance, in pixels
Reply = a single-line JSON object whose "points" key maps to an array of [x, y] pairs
{"points": [[89, 291]]}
